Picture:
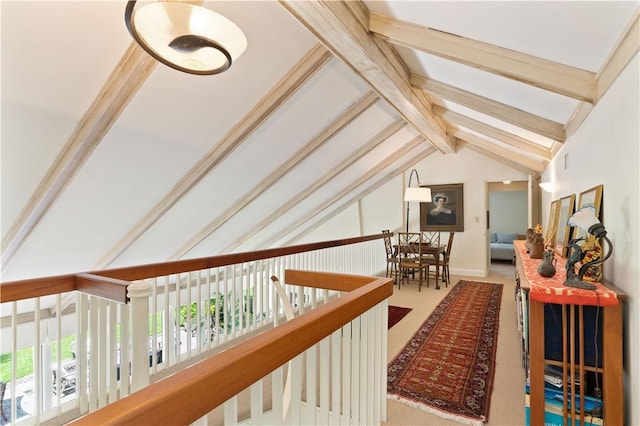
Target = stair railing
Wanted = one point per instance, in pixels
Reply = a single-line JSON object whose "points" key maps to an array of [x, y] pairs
{"points": [[184, 312]]}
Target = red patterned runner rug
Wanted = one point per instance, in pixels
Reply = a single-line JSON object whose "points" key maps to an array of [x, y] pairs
{"points": [[447, 367]]}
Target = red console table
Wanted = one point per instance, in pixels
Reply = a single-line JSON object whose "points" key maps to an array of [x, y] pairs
{"points": [[543, 291]]}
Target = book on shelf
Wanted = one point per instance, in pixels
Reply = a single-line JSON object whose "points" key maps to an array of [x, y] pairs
{"points": [[553, 375], [555, 398], [554, 416]]}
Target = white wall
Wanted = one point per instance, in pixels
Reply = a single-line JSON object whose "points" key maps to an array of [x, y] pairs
{"points": [[469, 253], [508, 211], [605, 151], [385, 209]]}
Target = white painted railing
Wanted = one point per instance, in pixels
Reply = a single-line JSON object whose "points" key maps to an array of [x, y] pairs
{"points": [[172, 322], [339, 381]]}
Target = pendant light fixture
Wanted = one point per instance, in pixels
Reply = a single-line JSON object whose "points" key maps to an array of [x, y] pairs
{"points": [[184, 36]]}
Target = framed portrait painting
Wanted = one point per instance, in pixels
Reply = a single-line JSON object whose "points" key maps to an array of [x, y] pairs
{"points": [[445, 212], [564, 208]]}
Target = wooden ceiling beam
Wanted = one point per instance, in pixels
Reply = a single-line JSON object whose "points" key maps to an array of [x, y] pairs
{"points": [[384, 179], [313, 61], [515, 141], [366, 148], [499, 153], [342, 27], [372, 173], [123, 83], [542, 126], [555, 77], [624, 51], [342, 120], [626, 48], [491, 154]]}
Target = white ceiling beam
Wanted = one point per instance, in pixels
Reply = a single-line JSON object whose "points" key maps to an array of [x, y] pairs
{"points": [[339, 197], [503, 136], [580, 113], [268, 105], [624, 51], [555, 77], [343, 120], [376, 140], [358, 197], [341, 26], [499, 154], [504, 112], [123, 83]]}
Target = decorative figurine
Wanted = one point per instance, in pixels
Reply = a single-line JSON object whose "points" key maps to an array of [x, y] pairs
{"points": [[529, 239], [573, 279], [537, 246], [548, 266]]}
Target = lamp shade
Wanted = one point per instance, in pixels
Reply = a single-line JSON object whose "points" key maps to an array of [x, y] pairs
{"points": [[417, 194], [185, 37], [584, 218]]}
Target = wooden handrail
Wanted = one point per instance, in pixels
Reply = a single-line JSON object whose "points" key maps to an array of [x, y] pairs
{"points": [[97, 285], [37, 287], [160, 269], [179, 399]]}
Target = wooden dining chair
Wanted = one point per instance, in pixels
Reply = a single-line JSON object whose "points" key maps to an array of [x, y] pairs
{"points": [[431, 237], [445, 263], [392, 259], [411, 259]]}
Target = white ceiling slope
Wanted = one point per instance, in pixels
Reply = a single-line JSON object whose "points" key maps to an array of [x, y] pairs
{"points": [[110, 159]]}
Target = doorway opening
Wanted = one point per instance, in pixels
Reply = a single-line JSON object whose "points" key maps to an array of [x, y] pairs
{"points": [[507, 219]]}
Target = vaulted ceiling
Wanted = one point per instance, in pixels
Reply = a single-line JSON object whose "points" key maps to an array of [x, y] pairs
{"points": [[111, 159]]}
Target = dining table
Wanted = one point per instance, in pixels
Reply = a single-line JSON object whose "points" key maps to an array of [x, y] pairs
{"points": [[437, 251]]}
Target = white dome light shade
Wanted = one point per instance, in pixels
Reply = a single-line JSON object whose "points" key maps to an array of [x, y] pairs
{"points": [[186, 37]]}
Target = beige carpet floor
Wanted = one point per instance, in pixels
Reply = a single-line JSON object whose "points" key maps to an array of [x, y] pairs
{"points": [[507, 399]]}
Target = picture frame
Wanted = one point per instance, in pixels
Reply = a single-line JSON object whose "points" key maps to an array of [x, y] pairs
{"points": [[446, 210], [550, 234], [591, 197], [565, 209]]}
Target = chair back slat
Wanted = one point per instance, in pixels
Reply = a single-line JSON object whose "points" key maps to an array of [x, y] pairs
{"points": [[447, 253], [431, 237], [388, 244], [410, 249]]}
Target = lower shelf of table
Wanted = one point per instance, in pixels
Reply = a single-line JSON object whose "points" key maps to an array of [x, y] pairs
{"points": [[553, 415]]}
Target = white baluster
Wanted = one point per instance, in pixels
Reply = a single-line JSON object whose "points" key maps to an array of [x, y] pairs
{"points": [[257, 402], [139, 293], [336, 376], [231, 411], [325, 381]]}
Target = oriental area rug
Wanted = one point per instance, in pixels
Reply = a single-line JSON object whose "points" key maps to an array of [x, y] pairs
{"points": [[396, 313], [447, 367]]}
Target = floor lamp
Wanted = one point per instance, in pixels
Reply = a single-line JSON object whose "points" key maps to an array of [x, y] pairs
{"points": [[420, 194]]}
